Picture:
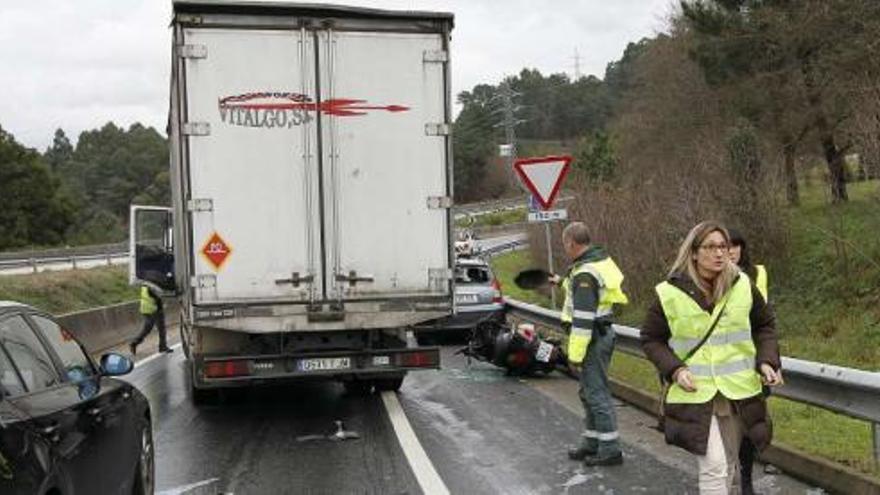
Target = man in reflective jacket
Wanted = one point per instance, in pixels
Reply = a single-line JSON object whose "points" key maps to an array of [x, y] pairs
{"points": [[592, 287]]}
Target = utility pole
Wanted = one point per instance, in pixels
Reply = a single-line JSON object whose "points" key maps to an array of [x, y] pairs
{"points": [[577, 65], [507, 110]]}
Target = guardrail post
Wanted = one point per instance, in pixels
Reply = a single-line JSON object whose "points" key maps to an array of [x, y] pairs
{"points": [[33, 262], [73, 262], [875, 429]]}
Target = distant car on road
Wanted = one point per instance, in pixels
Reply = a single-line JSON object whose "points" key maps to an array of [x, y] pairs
{"points": [[478, 299], [66, 426]]}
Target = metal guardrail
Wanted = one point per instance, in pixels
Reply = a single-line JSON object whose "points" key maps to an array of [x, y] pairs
{"points": [[73, 255], [847, 391]]}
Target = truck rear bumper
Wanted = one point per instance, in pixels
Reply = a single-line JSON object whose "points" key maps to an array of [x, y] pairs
{"points": [[231, 371]]}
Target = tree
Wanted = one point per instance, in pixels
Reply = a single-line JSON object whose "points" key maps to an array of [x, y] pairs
{"points": [[34, 212], [594, 158], [473, 142], [60, 152], [797, 55]]}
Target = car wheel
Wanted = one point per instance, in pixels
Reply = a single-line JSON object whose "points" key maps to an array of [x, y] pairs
{"points": [[145, 475], [389, 384]]}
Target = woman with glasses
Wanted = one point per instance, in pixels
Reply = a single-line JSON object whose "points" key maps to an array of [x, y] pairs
{"points": [[712, 337]]}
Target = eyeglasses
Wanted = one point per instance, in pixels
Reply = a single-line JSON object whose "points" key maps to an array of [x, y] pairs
{"points": [[723, 248]]}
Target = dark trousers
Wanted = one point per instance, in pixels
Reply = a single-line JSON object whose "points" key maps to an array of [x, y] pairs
{"points": [[156, 319], [600, 419]]}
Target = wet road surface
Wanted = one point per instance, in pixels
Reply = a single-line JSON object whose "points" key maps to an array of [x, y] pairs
{"points": [[482, 431]]}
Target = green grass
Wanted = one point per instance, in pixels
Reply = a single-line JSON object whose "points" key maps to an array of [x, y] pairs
{"points": [[506, 217], [506, 266], [827, 294], [72, 290]]}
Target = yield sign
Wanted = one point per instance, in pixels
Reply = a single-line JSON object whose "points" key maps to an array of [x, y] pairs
{"points": [[543, 176], [216, 250]]}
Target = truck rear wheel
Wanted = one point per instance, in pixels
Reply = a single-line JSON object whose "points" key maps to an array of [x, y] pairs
{"points": [[389, 384], [358, 387]]}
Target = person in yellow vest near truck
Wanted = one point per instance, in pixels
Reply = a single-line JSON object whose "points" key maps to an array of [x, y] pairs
{"points": [[712, 336], [154, 315], [739, 255], [592, 287]]}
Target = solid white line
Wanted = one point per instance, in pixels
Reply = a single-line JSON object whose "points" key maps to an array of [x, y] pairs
{"points": [[418, 460], [154, 356]]}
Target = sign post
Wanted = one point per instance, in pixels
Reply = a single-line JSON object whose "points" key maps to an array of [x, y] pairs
{"points": [[543, 177]]}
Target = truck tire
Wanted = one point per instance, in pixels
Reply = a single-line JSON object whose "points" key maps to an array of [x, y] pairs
{"points": [[389, 384], [357, 387], [203, 397]]}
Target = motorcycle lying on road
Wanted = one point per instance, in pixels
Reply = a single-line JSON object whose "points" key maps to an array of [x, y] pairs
{"points": [[520, 351]]}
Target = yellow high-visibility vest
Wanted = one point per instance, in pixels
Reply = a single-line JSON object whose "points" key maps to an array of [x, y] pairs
{"points": [[148, 305], [761, 280], [610, 280], [726, 362]]}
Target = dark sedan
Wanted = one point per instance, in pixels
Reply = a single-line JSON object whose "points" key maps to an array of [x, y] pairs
{"points": [[66, 427]]}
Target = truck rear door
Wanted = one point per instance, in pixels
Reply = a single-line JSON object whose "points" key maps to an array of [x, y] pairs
{"points": [[249, 126], [385, 164]]}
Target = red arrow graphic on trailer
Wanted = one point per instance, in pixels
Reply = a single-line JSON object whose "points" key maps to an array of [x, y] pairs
{"points": [[342, 107]]}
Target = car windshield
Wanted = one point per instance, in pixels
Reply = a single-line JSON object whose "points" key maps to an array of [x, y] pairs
{"points": [[472, 275]]}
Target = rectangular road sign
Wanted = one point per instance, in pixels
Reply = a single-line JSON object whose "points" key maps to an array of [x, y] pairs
{"points": [[548, 216]]}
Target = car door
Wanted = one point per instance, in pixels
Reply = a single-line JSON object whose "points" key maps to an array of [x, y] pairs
{"points": [[52, 409], [105, 407]]}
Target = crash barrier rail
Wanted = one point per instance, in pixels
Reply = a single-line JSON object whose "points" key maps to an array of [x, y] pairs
{"points": [[495, 230], [847, 391], [513, 245], [108, 327], [489, 207], [72, 255]]}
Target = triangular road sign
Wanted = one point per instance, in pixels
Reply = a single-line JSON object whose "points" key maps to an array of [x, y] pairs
{"points": [[543, 176]]}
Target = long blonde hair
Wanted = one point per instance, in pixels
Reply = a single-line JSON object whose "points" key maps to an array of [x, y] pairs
{"points": [[686, 263]]}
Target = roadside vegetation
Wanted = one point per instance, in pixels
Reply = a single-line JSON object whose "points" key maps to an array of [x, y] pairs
{"points": [[70, 290]]}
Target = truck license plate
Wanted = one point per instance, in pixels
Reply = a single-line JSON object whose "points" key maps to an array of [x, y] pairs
{"points": [[324, 364]]}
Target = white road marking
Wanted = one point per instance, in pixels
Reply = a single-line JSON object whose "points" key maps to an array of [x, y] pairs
{"points": [[180, 490], [154, 356], [418, 460]]}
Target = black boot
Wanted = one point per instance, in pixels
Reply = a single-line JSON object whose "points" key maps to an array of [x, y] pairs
{"points": [[580, 452], [595, 460]]}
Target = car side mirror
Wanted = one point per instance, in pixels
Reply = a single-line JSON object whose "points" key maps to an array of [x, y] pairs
{"points": [[113, 364]]}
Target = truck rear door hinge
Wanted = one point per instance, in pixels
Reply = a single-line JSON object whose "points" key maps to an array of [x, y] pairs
{"points": [[197, 129], [296, 279], [189, 19], [437, 129], [439, 202], [200, 204], [192, 51], [435, 56], [204, 281]]}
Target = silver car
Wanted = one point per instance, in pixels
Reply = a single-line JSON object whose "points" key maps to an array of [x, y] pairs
{"points": [[478, 299]]}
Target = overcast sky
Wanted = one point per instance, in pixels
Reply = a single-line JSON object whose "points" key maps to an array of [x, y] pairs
{"points": [[79, 64]]}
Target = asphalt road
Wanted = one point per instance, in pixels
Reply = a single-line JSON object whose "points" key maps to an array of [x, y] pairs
{"points": [[481, 432]]}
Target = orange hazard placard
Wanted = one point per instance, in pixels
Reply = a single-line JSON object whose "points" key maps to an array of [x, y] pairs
{"points": [[216, 251]]}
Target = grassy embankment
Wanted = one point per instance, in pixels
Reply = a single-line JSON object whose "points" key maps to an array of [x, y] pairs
{"points": [[827, 301]]}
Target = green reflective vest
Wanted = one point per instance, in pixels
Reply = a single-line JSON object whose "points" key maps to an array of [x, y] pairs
{"points": [[610, 280], [148, 304], [761, 280], [726, 362]]}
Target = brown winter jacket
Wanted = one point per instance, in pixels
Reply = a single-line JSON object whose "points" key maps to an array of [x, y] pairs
{"points": [[687, 425]]}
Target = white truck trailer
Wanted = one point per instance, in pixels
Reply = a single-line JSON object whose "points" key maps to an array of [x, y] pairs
{"points": [[311, 176]]}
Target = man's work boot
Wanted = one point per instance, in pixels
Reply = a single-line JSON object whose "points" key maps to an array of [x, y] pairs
{"points": [[581, 451], [595, 460], [133, 348], [166, 350]]}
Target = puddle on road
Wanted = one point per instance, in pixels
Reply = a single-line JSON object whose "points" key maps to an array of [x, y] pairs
{"points": [[340, 435]]}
